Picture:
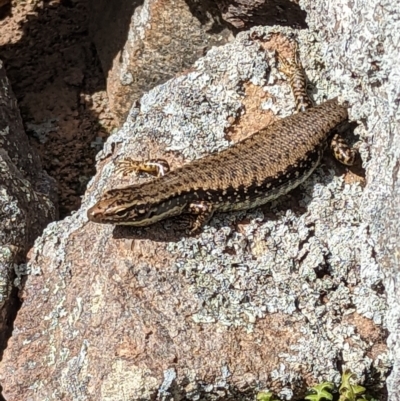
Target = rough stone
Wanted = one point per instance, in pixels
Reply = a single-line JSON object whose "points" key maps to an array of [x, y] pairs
{"points": [[27, 197], [244, 14], [273, 298], [4, 2], [361, 42], [57, 80], [152, 42]]}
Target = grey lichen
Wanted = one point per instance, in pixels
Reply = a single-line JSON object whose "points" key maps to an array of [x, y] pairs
{"points": [[360, 42]]}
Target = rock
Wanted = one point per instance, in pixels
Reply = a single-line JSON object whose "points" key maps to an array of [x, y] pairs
{"points": [[154, 41], [244, 14], [273, 298], [27, 201], [143, 44], [4, 2], [362, 52]]}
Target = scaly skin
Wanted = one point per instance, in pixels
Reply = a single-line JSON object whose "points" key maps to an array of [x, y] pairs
{"points": [[252, 172]]}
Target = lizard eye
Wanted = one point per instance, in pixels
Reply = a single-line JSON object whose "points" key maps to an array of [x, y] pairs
{"points": [[121, 213]]}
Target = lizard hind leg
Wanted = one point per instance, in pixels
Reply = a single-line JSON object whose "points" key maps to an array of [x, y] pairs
{"points": [[342, 151], [293, 69], [156, 167]]}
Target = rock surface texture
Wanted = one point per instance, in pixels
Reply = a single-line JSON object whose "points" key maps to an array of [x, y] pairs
{"points": [[244, 14], [152, 41], [272, 298], [4, 2], [361, 46], [57, 80], [26, 200], [156, 39]]}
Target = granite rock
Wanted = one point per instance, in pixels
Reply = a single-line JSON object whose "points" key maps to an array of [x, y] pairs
{"points": [[273, 298], [27, 202]]}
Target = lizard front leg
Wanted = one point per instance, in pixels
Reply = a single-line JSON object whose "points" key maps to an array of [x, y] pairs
{"points": [[156, 167], [202, 211]]}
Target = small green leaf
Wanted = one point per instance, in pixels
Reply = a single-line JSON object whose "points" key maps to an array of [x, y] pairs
{"points": [[348, 391], [322, 392], [358, 389]]}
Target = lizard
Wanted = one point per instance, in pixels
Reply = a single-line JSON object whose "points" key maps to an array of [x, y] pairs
{"points": [[250, 173]]}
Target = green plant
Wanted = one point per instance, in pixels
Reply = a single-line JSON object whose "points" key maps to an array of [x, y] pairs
{"points": [[321, 392], [351, 392], [266, 396], [348, 391]]}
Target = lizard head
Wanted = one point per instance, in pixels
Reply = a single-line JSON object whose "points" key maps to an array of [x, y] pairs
{"points": [[128, 206]]}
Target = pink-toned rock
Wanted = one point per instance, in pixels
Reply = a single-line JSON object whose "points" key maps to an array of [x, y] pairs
{"points": [[143, 44], [270, 298], [27, 200], [108, 320]]}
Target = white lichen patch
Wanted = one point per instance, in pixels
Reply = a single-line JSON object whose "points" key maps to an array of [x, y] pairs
{"points": [[129, 381]]}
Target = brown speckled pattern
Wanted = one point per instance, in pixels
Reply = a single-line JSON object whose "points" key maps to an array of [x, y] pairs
{"points": [[259, 169]]}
